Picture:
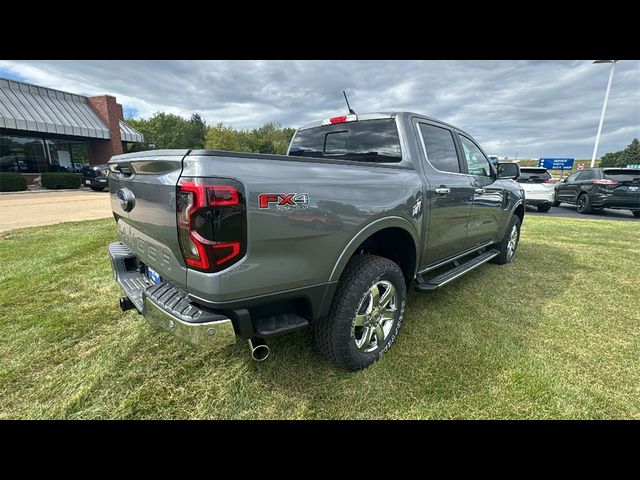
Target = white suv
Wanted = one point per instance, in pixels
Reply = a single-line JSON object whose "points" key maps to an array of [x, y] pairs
{"points": [[538, 187]]}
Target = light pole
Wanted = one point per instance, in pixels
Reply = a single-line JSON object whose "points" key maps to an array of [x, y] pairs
{"points": [[604, 108]]}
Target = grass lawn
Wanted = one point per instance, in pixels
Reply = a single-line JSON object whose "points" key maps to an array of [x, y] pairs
{"points": [[554, 335]]}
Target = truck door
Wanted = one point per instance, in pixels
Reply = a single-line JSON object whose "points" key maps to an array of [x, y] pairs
{"points": [[449, 194], [487, 215]]}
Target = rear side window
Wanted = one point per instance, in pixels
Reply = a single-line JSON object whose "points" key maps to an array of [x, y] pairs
{"points": [[622, 175], [527, 174], [441, 151], [365, 141], [586, 175]]}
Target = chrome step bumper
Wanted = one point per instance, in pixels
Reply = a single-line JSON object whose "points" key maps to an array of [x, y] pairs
{"points": [[167, 307]]}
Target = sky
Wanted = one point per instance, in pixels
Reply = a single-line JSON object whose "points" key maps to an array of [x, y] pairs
{"points": [[524, 108]]}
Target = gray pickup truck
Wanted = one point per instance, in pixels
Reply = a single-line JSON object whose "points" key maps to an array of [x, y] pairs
{"points": [[217, 246]]}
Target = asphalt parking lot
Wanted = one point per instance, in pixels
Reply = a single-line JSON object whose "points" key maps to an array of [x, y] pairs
{"points": [[32, 209], [569, 211]]}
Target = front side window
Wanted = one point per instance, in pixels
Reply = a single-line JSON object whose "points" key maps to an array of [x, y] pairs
{"points": [[574, 177], [440, 149], [477, 163]]}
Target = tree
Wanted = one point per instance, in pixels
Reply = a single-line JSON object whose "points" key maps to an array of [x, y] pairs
{"points": [[270, 138], [167, 130], [195, 132], [222, 137], [610, 159], [631, 154]]}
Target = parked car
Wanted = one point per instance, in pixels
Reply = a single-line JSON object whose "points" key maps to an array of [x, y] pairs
{"points": [[96, 177], [593, 189], [538, 187], [205, 254]]}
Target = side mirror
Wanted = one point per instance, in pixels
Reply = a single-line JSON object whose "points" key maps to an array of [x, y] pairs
{"points": [[508, 170]]}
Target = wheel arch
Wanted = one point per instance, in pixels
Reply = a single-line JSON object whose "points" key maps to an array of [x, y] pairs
{"points": [[390, 237]]}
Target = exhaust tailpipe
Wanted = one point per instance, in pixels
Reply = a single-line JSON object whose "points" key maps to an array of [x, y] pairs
{"points": [[259, 349], [126, 304]]}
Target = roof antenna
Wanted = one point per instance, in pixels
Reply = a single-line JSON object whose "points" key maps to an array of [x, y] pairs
{"points": [[347, 100]]}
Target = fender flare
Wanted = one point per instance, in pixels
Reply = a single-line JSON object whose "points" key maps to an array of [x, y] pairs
{"points": [[364, 233], [512, 212]]}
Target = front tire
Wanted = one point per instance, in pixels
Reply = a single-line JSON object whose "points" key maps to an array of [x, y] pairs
{"points": [[636, 213], [583, 205], [509, 244], [365, 315]]}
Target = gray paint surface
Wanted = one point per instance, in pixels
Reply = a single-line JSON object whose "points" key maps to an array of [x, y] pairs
{"points": [[286, 249]]}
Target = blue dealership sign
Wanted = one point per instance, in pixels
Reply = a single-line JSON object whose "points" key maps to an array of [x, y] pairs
{"points": [[556, 163]]}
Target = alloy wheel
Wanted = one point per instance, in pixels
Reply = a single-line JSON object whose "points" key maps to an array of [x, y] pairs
{"points": [[375, 316]]}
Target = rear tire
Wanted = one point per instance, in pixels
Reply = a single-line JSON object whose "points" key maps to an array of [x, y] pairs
{"points": [[583, 205], [348, 337], [544, 207], [509, 243], [636, 213]]}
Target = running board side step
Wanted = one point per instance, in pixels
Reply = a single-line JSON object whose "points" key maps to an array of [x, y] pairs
{"points": [[444, 278]]}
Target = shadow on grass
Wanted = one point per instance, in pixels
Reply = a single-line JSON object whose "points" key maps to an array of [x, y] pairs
{"points": [[455, 342]]}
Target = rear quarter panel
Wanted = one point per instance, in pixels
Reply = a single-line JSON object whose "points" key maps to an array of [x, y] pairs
{"points": [[289, 249]]}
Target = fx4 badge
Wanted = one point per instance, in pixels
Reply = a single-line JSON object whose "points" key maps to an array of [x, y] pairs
{"points": [[284, 201]]}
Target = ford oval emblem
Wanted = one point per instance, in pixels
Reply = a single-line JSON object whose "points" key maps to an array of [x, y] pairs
{"points": [[126, 199]]}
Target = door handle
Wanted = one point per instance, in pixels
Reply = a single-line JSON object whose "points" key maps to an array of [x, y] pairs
{"points": [[443, 190], [480, 190]]}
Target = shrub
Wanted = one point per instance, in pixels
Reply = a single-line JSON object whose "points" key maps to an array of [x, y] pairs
{"points": [[12, 182], [61, 180]]}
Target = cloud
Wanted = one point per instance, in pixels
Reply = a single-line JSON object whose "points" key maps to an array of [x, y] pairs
{"points": [[534, 108]]}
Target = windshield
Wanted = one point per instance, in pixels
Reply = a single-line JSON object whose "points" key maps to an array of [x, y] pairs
{"points": [[365, 141]]}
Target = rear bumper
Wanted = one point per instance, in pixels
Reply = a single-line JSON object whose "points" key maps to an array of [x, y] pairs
{"points": [[624, 203], [535, 202], [536, 198], [167, 307]]}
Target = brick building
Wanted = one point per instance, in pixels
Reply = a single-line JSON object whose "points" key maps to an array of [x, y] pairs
{"points": [[44, 130]]}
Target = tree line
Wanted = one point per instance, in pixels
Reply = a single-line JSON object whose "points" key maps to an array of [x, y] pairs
{"points": [[630, 155], [167, 130]]}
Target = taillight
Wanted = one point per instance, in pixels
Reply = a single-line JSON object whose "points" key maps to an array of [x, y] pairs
{"points": [[211, 217], [550, 180], [341, 119], [606, 181]]}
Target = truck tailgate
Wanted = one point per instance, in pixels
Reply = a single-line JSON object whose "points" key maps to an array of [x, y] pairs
{"points": [[142, 189]]}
